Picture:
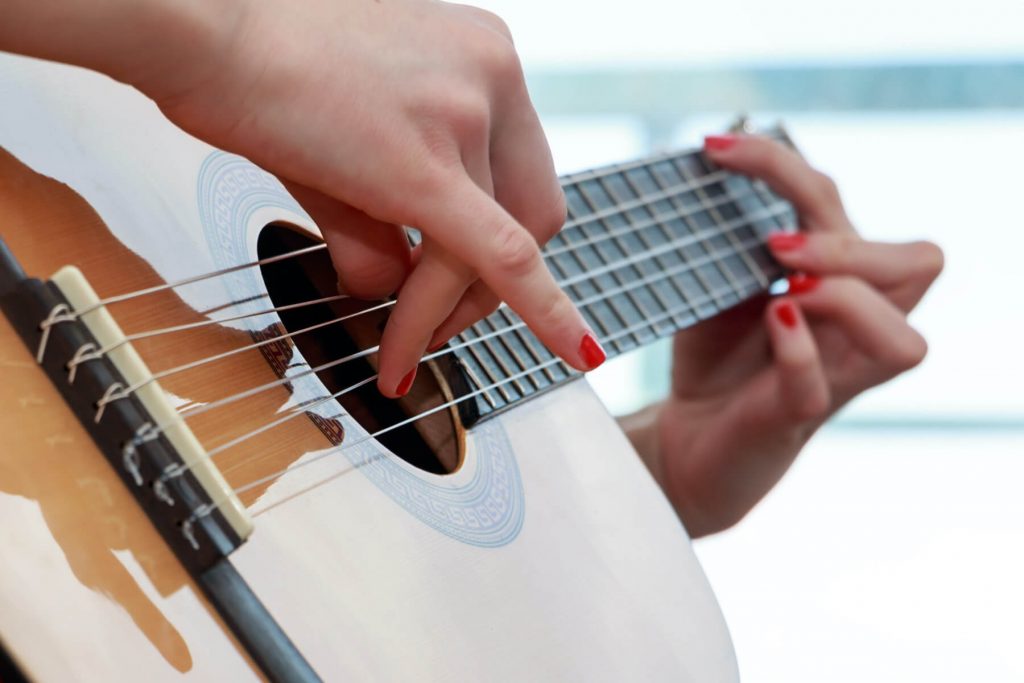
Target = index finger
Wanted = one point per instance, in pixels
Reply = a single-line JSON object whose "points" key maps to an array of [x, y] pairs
{"points": [[813, 193], [473, 226]]}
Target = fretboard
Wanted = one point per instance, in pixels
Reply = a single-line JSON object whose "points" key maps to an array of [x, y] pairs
{"points": [[649, 248]]}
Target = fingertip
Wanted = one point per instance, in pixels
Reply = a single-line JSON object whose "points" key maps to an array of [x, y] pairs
{"points": [[591, 352], [714, 144], [786, 313]]}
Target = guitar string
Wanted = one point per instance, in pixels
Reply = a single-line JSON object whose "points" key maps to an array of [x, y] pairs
{"points": [[687, 240], [208, 508], [602, 296], [179, 469], [675, 190], [99, 353], [769, 211]]}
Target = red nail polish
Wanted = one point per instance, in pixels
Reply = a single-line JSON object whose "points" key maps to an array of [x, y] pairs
{"points": [[786, 241], [786, 313], [801, 283], [719, 142], [436, 347], [591, 352], [406, 383]]}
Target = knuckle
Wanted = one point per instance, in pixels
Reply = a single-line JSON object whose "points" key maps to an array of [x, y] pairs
{"points": [[515, 252], [551, 312], [461, 111], [372, 278], [813, 405], [552, 216], [826, 188], [493, 21], [835, 250], [909, 352], [497, 55], [930, 258]]}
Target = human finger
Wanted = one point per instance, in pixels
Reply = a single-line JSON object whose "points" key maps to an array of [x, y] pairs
{"points": [[903, 269], [477, 303], [473, 226], [802, 391], [525, 184], [523, 172], [813, 194], [873, 323], [371, 257], [426, 299]]}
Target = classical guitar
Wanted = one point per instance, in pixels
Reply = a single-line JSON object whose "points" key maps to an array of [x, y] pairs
{"points": [[198, 478]]}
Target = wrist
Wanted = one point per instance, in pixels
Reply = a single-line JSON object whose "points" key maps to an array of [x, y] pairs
{"points": [[158, 46], [176, 46]]}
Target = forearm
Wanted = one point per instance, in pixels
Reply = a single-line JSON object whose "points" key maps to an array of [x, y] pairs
{"points": [[134, 41], [641, 429]]}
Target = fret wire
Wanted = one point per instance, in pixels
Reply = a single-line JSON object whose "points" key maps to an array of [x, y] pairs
{"points": [[643, 199], [511, 354], [780, 207], [762, 192], [484, 366], [709, 246], [475, 378], [574, 281], [622, 167], [754, 269], [659, 219], [685, 216], [503, 312], [550, 251], [655, 292], [615, 275]]}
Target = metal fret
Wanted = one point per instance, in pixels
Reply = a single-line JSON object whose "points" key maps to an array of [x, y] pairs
{"points": [[506, 352], [596, 316], [485, 367], [590, 200], [675, 288], [725, 212], [716, 244], [709, 278], [524, 338]]}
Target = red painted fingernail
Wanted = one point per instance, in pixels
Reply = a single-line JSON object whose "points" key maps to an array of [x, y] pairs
{"points": [[801, 283], [406, 383], [786, 313], [786, 241], [436, 347], [591, 351], [719, 142]]}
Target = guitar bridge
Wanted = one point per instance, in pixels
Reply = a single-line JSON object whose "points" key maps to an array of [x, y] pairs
{"points": [[118, 402]]}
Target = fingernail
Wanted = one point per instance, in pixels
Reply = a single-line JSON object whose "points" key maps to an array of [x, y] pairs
{"points": [[436, 347], [719, 142], [591, 352], [786, 313], [801, 283], [406, 383], [786, 241]]}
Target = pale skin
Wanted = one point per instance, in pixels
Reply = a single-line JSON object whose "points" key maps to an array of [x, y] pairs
{"points": [[415, 112]]}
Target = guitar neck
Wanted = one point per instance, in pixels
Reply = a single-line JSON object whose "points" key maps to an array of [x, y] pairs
{"points": [[649, 248]]}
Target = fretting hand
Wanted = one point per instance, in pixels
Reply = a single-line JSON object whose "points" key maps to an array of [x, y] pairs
{"points": [[750, 387]]}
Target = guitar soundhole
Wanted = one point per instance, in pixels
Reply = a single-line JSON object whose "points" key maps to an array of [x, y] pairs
{"points": [[433, 443]]}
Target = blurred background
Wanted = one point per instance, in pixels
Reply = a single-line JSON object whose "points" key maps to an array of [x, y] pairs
{"points": [[894, 550]]}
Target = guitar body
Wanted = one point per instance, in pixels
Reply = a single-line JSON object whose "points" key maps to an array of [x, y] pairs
{"points": [[548, 554]]}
